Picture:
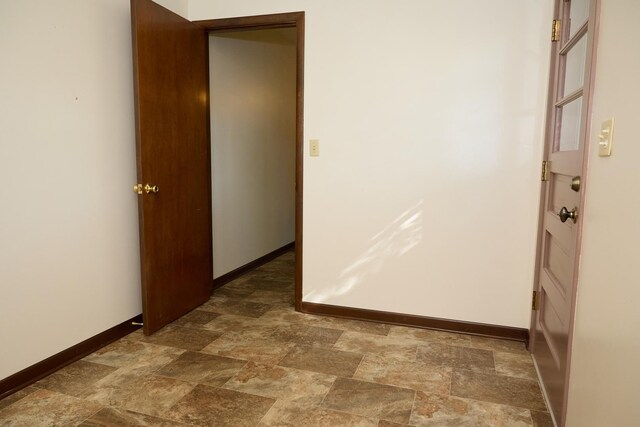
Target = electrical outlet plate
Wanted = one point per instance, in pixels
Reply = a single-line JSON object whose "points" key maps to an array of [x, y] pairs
{"points": [[605, 138]]}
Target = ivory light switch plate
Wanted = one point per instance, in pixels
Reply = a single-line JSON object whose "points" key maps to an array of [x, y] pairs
{"points": [[314, 147], [605, 138]]}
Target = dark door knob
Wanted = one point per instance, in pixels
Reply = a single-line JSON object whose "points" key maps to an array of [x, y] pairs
{"points": [[565, 214]]}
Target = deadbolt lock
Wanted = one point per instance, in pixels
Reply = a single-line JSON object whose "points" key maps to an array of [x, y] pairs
{"points": [[575, 183]]}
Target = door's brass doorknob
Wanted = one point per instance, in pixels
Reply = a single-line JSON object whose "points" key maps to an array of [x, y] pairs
{"points": [[137, 188], [151, 188], [565, 214]]}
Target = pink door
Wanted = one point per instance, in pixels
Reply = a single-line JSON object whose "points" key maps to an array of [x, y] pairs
{"points": [[563, 196]]}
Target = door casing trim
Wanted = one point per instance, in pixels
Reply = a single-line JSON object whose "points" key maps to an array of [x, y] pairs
{"points": [[272, 21]]}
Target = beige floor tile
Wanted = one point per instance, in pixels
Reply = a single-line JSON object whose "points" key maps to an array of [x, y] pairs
{"points": [[370, 400], [202, 368], [494, 344], [116, 417], [182, 338], [515, 365], [211, 406], [430, 335], [316, 336], [392, 347], [287, 414], [134, 354], [249, 347], [75, 378], [500, 389], [473, 359], [12, 398], [323, 360], [47, 408], [301, 387], [448, 411], [146, 394], [417, 376]]}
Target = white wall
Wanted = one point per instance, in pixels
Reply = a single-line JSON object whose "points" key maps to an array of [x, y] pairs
{"points": [[253, 138], [69, 255], [605, 376], [430, 116]]}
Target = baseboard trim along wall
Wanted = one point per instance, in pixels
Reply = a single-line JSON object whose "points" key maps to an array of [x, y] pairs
{"points": [[33, 373], [242, 270], [481, 329]]}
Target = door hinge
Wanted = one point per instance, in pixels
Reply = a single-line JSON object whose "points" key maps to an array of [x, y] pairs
{"points": [[534, 301], [546, 166], [555, 30]]}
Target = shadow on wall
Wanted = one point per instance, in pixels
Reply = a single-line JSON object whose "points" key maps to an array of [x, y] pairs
{"points": [[395, 240]]}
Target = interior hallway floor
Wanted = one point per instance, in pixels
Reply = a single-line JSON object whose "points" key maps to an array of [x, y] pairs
{"points": [[246, 358]]}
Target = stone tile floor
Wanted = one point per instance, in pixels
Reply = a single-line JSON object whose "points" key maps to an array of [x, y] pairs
{"points": [[246, 358]]}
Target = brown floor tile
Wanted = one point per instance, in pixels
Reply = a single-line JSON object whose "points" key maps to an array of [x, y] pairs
{"points": [[301, 387], [131, 353], [494, 344], [373, 328], [182, 338], [322, 360], [195, 319], [541, 419], [16, 396], [146, 394], [287, 414], [236, 289], [357, 342], [318, 337], [270, 297], [75, 378], [515, 365], [238, 308], [498, 389], [288, 314], [385, 423], [430, 335], [416, 376], [440, 410], [231, 323], [248, 346], [115, 417], [210, 406], [202, 368], [370, 400], [47, 408], [473, 359]]}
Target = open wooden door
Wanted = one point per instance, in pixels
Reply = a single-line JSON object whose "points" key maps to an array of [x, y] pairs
{"points": [[563, 197], [170, 65]]}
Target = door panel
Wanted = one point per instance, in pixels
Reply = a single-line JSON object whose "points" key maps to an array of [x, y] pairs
{"points": [[170, 58], [568, 121]]}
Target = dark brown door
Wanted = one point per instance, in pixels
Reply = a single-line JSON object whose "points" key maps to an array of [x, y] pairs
{"points": [[170, 61], [563, 198]]}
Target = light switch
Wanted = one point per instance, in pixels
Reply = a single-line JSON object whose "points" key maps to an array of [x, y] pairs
{"points": [[605, 138], [314, 147]]}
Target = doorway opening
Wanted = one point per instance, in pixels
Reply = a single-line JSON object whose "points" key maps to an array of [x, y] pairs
{"points": [[256, 102]]}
